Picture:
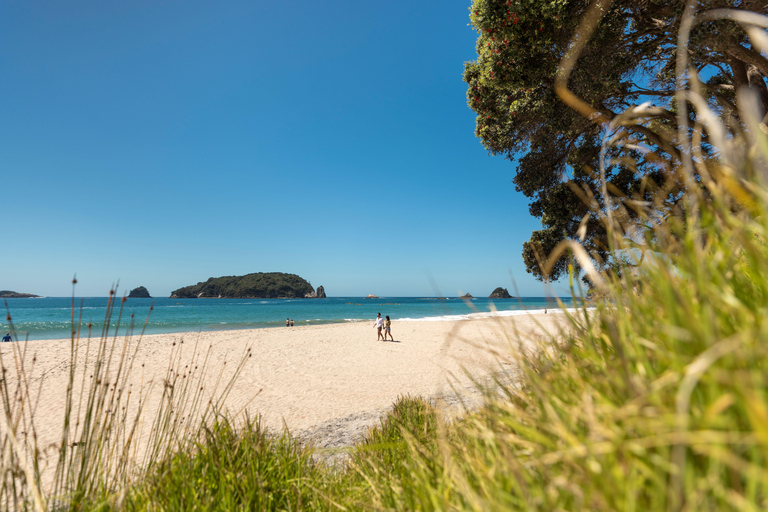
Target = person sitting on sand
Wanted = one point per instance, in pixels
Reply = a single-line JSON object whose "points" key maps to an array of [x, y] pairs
{"points": [[388, 329], [379, 325], [7, 337]]}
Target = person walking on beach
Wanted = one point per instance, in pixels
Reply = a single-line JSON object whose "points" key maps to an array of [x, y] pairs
{"points": [[388, 329], [287, 322], [7, 337], [379, 325]]}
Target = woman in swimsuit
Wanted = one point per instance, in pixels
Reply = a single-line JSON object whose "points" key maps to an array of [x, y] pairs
{"points": [[388, 330]]}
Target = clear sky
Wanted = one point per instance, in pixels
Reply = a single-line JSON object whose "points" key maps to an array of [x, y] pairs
{"points": [[159, 143]]}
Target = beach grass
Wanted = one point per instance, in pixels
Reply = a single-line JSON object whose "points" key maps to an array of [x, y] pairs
{"points": [[232, 468], [99, 452]]}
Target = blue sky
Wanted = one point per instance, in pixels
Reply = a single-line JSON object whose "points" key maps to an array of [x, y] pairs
{"points": [[160, 143]]}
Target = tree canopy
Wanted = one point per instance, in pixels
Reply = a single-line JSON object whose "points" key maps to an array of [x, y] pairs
{"points": [[629, 59]]}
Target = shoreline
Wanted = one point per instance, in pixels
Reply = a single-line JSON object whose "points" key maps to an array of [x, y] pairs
{"points": [[325, 383], [154, 329]]}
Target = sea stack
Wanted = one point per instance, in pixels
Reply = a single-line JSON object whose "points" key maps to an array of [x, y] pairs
{"points": [[500, 293], [139, 293], [320, 293]]}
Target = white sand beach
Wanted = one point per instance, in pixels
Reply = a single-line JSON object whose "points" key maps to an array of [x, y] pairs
{"points": [[325, 383]]}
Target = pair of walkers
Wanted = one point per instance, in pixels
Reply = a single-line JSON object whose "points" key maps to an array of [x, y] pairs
{"points": [[385, 326]]}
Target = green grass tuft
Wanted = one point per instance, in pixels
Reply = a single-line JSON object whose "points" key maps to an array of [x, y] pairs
{"points": [[231, 468]]}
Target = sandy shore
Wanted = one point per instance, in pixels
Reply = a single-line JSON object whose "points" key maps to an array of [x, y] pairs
{"points": [[326, 383]]}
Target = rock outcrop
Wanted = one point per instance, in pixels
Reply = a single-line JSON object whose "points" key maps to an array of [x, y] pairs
{"points": [[317, 294], [466, 296], [500, 293], [139, 293], [372, 296], [8, 294]]}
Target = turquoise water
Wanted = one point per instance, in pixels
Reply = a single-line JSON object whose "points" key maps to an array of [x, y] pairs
{"points": [[50, 317]]}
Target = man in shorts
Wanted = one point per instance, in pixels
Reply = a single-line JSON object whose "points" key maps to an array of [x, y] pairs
{"points": [[7, 337], [379, 325]]}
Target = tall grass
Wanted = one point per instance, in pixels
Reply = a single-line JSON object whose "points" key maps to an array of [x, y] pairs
{"points": [[658, 398], [106, 437], [232, 467]]}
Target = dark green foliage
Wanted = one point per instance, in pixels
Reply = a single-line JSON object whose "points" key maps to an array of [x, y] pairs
{"points": [[629, 59], [269, 285]]}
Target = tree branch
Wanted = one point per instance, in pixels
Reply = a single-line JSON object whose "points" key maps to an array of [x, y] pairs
{"points": [[748, 56]]}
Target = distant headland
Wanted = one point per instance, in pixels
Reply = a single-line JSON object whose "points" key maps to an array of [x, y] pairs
{"points": [[261, 285], [7, 294]]}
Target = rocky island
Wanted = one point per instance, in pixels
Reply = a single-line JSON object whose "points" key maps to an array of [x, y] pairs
{"points": [[467, 296], [500, 293], [7, 294], [139, 293], [317, 294], [261, 285]]}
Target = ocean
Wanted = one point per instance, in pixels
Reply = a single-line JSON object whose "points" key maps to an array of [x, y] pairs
{"points": [[51, 317]]}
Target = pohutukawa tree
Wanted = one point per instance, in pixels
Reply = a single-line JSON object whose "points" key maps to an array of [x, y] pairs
{"points": [[629, 59]]}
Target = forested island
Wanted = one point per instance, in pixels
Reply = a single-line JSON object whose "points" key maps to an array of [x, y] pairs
{"points": [[261, 285], [7, 294]]}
